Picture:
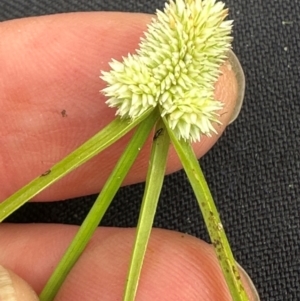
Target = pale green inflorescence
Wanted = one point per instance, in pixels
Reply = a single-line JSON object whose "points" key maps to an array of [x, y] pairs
{"points": [[175, 68]]}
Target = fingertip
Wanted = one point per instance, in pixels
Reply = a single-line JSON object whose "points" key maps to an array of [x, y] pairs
{"points": [[183, 267], [14, 288], [240, 82], [249, 285], [177, 266], [226, 91], [229, 89]]}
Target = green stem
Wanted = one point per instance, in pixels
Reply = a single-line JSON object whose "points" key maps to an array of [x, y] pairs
{"points": [[211, 217], [107, 136], [99, 208], [154, 182]]}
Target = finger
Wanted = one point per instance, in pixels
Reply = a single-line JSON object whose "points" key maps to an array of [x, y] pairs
{"points": [[177, 266], [14, 288], [50, 101]]}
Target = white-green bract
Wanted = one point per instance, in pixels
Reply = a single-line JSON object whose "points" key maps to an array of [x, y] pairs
{"points": [[175, 68]]}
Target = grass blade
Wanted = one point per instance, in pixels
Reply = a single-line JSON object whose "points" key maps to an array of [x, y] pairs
{"points": [[154, 182], [211, 217]]}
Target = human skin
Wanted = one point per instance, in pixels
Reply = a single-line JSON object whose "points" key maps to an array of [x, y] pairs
{"points": [[52, 64]]}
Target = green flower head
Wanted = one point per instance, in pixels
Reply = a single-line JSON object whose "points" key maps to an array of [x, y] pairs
{"points": [[175, 68]]}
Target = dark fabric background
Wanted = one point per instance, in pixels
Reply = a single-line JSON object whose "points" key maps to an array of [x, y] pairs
{"points": [[253, 171]]}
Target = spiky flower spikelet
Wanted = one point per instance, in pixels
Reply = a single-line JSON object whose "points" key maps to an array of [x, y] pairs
{"points": [[175, 68]]}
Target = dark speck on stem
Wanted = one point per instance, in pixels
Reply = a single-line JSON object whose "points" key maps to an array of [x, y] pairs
{"points": [[157, 134], [47, 172]]}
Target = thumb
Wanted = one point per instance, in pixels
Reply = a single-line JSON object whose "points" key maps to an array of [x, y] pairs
{"points": [[14, 288]]}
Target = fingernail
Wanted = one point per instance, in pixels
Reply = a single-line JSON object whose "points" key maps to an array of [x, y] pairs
{"points": [[255, 296], [239, 73], [7, 291]]}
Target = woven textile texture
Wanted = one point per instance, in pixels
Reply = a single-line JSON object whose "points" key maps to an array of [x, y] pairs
{"points": [[253, 170]]}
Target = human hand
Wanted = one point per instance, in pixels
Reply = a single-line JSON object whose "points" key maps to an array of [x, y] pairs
{"points": [[50, 102]]}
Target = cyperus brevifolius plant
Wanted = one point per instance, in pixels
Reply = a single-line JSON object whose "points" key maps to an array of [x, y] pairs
{"points": [[168, 84]]}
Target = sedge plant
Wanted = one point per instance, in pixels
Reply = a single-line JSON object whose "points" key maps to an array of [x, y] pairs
{"points": [[168, 86]]}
